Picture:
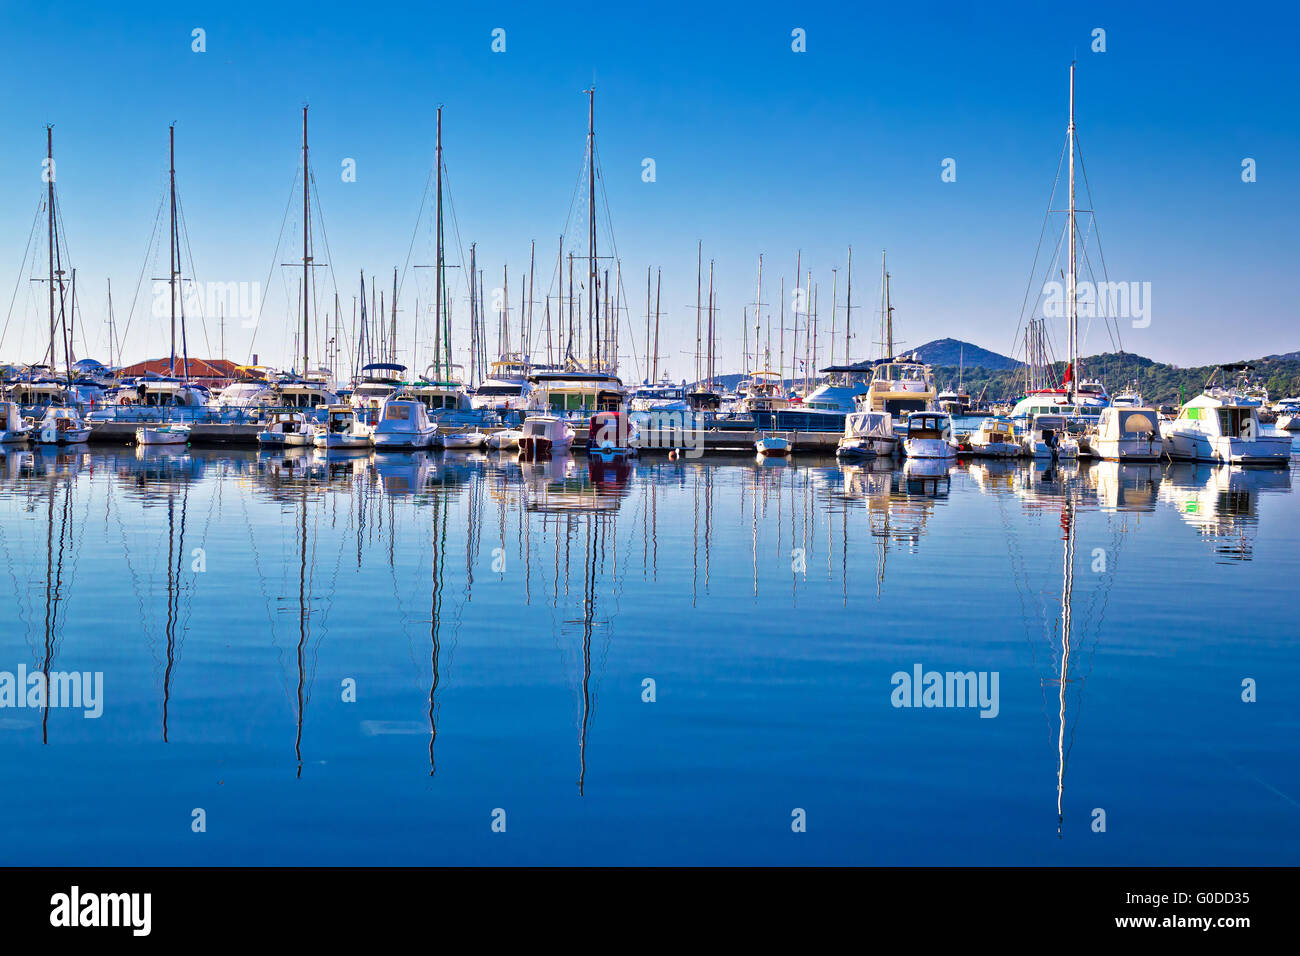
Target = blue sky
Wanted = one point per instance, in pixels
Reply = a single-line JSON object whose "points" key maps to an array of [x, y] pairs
{"points": [[757, 149]]}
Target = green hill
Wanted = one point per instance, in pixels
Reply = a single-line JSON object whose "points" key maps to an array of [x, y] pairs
{"points": [[1158, 382]]}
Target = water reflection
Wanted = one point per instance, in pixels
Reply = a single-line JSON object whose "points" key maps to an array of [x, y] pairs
{"points": [[399, 546]]}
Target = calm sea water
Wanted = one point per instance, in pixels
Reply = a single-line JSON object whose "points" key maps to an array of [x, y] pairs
{"points": [[371, 659]]}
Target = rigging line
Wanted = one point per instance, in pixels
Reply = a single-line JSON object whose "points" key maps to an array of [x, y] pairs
{"points": [[270, 272], [40, 206], [320, 218], [415, 230], [1033, 269], [1096, 228], [620, 298], [157, 219], [180, 212]]}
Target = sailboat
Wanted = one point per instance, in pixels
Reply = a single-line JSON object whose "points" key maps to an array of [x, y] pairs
{"points": [[61, 424], [171, 433], [1074, 399], [580, 389]]}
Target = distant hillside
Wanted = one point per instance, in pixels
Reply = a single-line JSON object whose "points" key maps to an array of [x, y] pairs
{"points": [[957, 353], [1158, 382]]}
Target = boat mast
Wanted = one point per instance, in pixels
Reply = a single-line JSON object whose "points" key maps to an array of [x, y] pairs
{"points": [[1074, 277], [171, 239], [110, 324], [699, 265], [659, 286], [758, 312], [835, 297], [649, 376], [848, 309], [438, 266], [49, 205], [710, 323], [306, 239], [593, 304], [780, 355], [528, 335]]}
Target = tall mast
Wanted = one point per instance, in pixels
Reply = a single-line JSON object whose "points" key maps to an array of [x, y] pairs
{"points": [[306, 240], [780, 361], [438, 265], [848, 309], [699, 261], [758, 313], [649, 376], [392, 333], [712, 333], [1073, 279], [593, 306], [659, 285], [528, 335], [835, 301], [49, 205], [171, 238], [110, 325]]}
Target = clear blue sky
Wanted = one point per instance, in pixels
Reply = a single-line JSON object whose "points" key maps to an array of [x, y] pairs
{"points": [[757, 148]]}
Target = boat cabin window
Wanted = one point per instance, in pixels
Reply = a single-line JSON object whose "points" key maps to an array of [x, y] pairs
{"points": [[504, 390], [1237, 422], [397, 413]]}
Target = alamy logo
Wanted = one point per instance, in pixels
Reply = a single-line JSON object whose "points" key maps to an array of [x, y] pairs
{"points": [[102, 909], [922, 688], [55, 689]]}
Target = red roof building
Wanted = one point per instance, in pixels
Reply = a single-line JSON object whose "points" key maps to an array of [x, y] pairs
{"points": [[205, 371]]}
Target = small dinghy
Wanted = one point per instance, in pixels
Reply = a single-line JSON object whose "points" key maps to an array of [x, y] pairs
{"points": [[162, 434], [772, 445], [505, 439], [463, 441]]}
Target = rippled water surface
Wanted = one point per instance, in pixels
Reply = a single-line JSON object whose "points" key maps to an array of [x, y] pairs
{"points": [[372, 659]]}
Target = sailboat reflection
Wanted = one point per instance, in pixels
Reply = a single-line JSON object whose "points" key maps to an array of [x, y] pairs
{"points": [[580, 506]]}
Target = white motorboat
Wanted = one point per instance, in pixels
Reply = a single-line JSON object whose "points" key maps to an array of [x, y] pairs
{"points": [[62, 426], [287, 430], [342, 429], [867, 435], [174, 434], [404, 423], [1224, 428], [1128, 433], [545, 436], [772, 445], [1048, 436], [1288, 414], [13, 428], [996, 438], [929, 435], [504, 439], [463, 441]]}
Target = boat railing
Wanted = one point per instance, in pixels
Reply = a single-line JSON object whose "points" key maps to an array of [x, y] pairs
{"points": [[197, 415]]}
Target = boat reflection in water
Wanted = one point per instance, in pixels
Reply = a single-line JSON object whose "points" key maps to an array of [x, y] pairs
{"points": [[1222, 502], [486, 606]]}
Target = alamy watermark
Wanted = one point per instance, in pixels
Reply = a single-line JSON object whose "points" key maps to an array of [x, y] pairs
{"points": [[1101, 300], [64, 689], [922, 688], [233, 300]]}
